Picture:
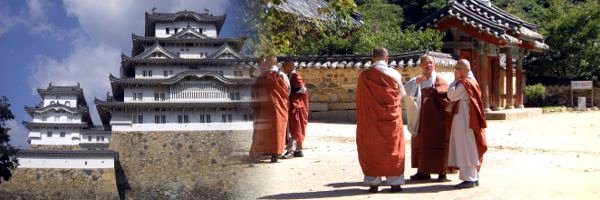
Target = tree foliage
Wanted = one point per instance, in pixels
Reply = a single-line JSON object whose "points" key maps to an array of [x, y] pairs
{"points": [[7, 160], [277, 32], [571, 29]]}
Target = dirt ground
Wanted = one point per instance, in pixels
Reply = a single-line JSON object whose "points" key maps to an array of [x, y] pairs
{"points": [[552, 156]]}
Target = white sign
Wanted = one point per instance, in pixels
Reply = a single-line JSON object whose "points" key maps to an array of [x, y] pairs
{"points": [[581, 103], [581, 85]]}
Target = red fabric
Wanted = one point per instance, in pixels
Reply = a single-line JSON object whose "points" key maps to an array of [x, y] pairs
{"points": [[379, 135], [270, 108], [430, 147], [477, 116], [298, 114]]}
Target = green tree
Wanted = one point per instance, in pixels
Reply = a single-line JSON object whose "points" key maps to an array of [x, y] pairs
{"points": [[416, 10], [572, 30], [383, 28], [7, 160]]}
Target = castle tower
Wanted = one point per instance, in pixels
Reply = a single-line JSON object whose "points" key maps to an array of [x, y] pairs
{"points": [[181, 76], [62, 121]]}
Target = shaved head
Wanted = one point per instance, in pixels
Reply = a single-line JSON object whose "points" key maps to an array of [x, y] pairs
{"points": [[463, 64], [462, 69], [288, 66], [272, 60], [427, 65], [379, 54]]}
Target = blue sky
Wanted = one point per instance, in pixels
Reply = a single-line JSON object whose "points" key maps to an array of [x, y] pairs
{"points": [[70, 41]]}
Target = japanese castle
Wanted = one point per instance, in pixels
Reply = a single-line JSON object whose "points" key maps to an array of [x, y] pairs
{"points": [[62, 121], [181, 76]]}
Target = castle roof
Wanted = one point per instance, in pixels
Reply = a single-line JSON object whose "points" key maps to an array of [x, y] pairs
{"points": [[67, 153], [155, 17]]}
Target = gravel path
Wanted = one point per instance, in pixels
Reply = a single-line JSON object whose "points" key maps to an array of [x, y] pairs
{"points": [[552, 156]]}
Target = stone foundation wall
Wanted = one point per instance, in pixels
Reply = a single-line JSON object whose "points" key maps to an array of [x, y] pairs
{"points": [[178, 165], [332, 91], [28, 183], [561, 95]]}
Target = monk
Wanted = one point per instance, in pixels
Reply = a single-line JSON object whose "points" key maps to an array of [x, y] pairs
{"points": [[379, 135], [429, 128], [467, 135], [298, 112], [270, 107]]}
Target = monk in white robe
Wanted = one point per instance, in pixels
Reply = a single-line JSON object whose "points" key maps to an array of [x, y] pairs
{"points": [[467, 135]]}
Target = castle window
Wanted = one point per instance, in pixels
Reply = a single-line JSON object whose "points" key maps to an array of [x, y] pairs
{"points": [[150, 73], [165, 73], [237, 96], [67, 103], [230, 118], [49, 134], [137, 96], [102, 138], [163, 119], [140, 119], [245, 117], [62, 134], [156, 119], [168, 31], [176, 30], [144, 73], [170, 72], [51, 102], [208, 118], [97, 138], [201, 118], [89, 138]]}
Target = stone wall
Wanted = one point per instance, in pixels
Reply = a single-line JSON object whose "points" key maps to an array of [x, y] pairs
{"points": [[178, 165], [332, 91], [561, 95], [28, 183]]}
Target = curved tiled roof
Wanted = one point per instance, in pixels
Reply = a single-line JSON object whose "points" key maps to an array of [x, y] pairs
{"points": [[488, 19], [31, 110], [401, 60], [178, 77], [30, 125], [154, 17], [309, 10]]}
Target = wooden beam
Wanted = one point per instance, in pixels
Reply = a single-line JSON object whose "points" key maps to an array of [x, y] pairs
{"points": [[519, 82], [457, 45], [484, 80], [509, 79]]}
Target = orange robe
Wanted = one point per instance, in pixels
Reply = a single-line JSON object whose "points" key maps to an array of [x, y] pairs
{"points": [[429, 149], [298, 114], [379, 129], [270, 108], [477, 116]]}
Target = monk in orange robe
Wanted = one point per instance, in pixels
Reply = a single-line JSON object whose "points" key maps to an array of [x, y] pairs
{"points": [[429, 143], [467, 140], [270, 107], [379, 128], [298, 112]]}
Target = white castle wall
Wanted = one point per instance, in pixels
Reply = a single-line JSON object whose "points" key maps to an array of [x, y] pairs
{"points": [[207, 28], [158, 71], [53, 117], [60, 99], [148, 95], [121, 121], [66, 163]]}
